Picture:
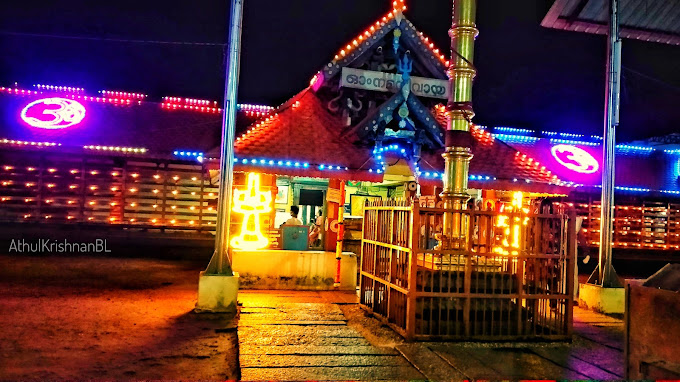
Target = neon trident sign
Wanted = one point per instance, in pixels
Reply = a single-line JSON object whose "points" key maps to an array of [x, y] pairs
{"points": [[251, 202]]}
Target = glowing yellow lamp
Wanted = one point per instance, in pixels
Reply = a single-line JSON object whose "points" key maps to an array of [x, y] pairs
{"points": [[510, 237], [251, 202]]}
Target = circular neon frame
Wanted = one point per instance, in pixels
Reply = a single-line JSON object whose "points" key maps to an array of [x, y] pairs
{"points": [[580, 160], [70, 113]]}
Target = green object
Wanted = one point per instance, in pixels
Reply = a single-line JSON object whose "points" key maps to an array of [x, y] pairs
{"points": [[294, 237]]}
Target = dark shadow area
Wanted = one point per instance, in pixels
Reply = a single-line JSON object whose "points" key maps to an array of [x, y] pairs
{"points": [[109, 318]]}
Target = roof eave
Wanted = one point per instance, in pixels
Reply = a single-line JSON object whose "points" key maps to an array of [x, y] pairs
{"points": [[554, 20]]}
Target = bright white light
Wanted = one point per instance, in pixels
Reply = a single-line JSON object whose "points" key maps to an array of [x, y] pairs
{"points": [[42, 113]]}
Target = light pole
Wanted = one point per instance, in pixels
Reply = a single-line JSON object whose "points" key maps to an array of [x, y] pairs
{"points": [[606, 274], [218, 284]]}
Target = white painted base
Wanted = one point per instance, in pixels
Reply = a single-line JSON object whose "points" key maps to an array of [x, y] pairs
{"points": [[294, 270], [217, 293], [602, 300]]}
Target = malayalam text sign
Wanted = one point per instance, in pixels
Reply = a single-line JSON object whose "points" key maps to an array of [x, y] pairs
{"points": [[391, 82]]}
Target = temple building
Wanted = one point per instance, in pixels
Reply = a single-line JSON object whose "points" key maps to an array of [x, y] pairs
{"points": [[120, 159]]}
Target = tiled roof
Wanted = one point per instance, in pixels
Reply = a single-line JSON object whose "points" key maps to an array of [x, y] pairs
{"points": [[303, 131], [494, 159]]}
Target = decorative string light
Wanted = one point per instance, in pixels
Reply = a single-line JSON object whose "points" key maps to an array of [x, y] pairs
{"points": [[66, 89], [571, 135], [641, 189], [129, 150], [255, 110], [190, 154], [17, 91], [123, 95], [572, 142], [127, 98], [28, 143], [202, 105], [361, 40], [440, 175], [643, 149], [513, 130], [256, 128], [515, 138], [272, 162], [482, 136], [114, 101]]}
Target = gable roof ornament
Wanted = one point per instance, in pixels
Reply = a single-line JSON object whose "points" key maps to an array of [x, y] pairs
{"points": [[436, 62]]}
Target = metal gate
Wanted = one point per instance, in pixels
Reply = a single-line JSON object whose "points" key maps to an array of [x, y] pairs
{"points": [[499, 277]]}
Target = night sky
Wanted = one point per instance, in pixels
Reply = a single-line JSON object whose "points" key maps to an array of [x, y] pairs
{"points": [[528, 76]]}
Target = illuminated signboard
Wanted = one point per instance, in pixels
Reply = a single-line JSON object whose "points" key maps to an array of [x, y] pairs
{"points": [[53, 113], [575, 159]]}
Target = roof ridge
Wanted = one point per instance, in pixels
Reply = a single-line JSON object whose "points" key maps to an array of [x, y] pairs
{"points": [[394, 19]]}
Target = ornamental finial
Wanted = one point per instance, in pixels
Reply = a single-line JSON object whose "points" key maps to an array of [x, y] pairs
{"points": [[399, 6]]}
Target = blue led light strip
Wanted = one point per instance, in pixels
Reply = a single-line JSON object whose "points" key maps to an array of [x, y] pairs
{"points": [[642, 189], [513, 130], [378, 155], [393, 147], [572, 142], [287, 163], [634, 148], [194, 154], [439, 175], [199, 156], [516, 138]]}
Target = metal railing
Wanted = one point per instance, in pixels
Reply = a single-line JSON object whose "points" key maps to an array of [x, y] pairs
{"points": [[501, 276]]}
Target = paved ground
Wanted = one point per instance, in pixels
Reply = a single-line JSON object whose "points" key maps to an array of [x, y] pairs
{"points": [[77, 318], [323, 335], [119, 319], [595, 353], [305, 336]]}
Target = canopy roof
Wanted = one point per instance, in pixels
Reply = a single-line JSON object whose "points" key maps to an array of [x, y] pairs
{"points": [[647, 20]]}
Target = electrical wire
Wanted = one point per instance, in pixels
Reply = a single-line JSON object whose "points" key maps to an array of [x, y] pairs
{"points": [[119, 40], [651, 78]]}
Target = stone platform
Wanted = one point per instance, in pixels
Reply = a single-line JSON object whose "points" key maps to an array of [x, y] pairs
{"points": [[294, 270]]}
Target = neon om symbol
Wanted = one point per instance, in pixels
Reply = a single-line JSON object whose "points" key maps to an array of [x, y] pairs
{"points": [[44, 115], [251, 203], [575, 159]]}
